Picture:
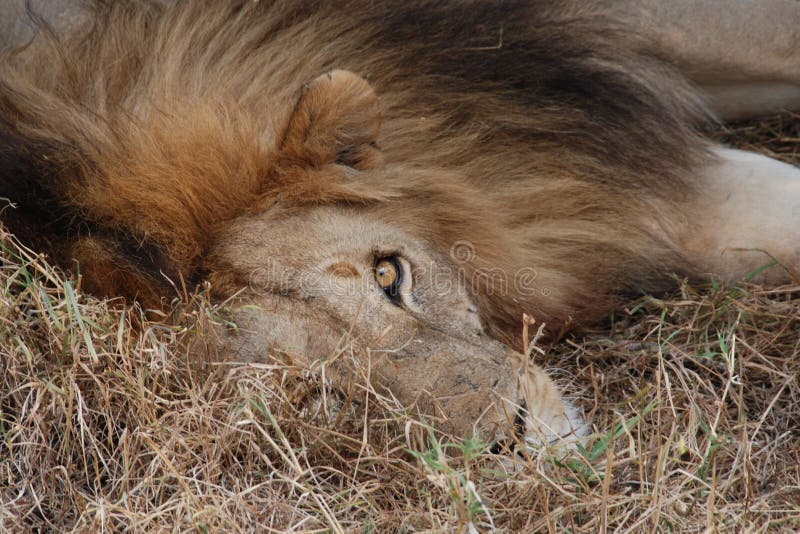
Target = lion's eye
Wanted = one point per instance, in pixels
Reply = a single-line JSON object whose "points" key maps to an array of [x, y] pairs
{"points": [[389, 275]]}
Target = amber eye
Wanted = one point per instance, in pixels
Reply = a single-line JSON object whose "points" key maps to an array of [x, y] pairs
{"points": [[389, 276]]}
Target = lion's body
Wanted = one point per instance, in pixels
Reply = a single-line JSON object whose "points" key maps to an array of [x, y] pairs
{"points": [[545, 136]]}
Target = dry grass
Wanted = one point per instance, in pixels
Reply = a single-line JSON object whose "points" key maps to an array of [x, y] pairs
{"points": [[107, 426]]}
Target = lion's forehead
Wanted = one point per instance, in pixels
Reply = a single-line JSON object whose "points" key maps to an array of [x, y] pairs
{"points": [[341, 241]]}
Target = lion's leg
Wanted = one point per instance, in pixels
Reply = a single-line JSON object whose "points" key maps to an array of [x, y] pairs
{"points": [[746, 215], [744, 100], [744, 54]]}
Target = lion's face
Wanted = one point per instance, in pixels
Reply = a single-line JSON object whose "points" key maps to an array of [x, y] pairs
{"points": [[320, 283]]}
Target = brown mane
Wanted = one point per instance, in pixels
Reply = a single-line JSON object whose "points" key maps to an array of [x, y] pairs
{"points": [[130, 153]]}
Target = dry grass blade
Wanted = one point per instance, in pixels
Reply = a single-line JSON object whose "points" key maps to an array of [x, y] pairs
{"points": [[108, 423]]}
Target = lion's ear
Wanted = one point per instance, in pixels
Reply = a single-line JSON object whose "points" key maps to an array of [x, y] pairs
{"points": [[336, 120]]}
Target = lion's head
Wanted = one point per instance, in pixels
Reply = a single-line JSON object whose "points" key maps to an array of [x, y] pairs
{"points": [[347, 276], [323, 251]]}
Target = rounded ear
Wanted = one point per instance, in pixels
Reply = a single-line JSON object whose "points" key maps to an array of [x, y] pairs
{"points": [[336, 120]]}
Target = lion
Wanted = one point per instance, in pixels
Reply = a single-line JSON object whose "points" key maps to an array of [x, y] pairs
{"points": [[408, 178]]}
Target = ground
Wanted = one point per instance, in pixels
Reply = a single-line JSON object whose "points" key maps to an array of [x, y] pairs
{"points": [[107, 424]]}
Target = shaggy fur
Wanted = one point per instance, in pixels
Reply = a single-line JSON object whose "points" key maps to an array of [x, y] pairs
{"points": [[534, 130]]}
